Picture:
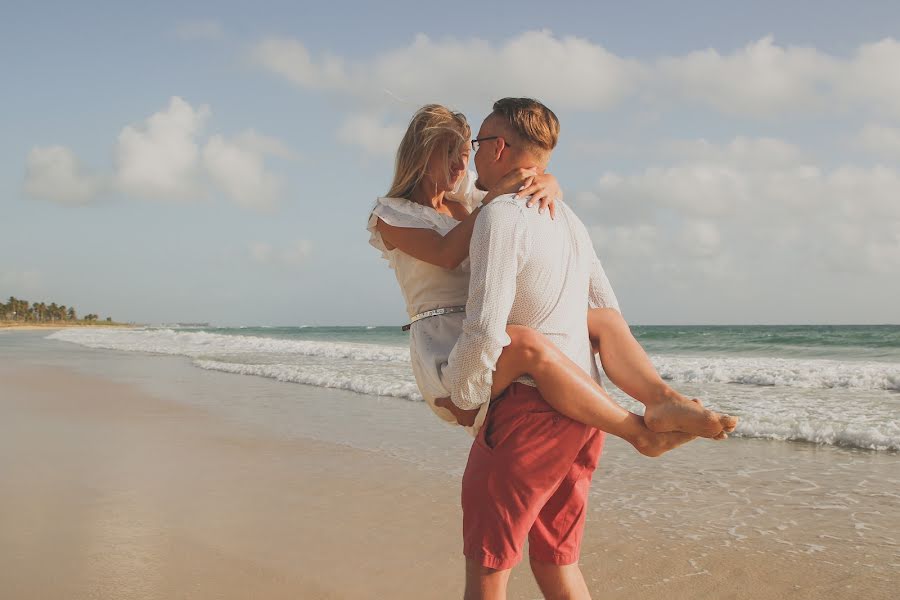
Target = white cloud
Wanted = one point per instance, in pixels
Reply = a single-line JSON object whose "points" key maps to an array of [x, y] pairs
{"points": [[700, 239], [236, 167], [291, 60], [205, 30], [870, 79], [783, 215], [290, 255], [761, 80], [638, 241], [375, 137], [54, 173], [748, 153], [881, 141], [264, 144], [574, 72], [159, 158], [702, 190]]}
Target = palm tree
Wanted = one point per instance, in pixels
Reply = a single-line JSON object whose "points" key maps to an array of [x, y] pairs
{"points": [[71, 314]]}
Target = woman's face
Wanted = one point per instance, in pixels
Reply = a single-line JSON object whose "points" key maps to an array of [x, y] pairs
{"points": [[440, 160]]}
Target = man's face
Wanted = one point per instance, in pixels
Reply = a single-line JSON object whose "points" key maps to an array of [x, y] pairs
{"points": [[488, 158]]}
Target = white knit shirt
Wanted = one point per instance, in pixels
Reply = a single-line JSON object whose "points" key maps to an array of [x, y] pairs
{"points": [[526, 269]]}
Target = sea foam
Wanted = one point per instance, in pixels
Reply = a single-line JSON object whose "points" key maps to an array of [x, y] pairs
{"points": [[798, 373], [801, 400], [201, 343]]}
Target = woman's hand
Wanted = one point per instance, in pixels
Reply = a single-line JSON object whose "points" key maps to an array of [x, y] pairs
{"points": [[466, 418], [543, 189], [512, 182]]}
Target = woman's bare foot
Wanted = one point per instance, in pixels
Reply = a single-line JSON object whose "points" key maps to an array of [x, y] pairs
{"points": [[654, 444], [677, 413], [466, 418]]}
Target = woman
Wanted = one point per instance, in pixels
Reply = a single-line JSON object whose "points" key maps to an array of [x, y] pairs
{"points": [[423, 227]]}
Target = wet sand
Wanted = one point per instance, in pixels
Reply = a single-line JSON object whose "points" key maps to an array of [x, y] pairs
{"points": [[109, 491]]}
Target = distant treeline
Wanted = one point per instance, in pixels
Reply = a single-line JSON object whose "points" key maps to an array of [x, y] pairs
{"points": [[41, 312]]}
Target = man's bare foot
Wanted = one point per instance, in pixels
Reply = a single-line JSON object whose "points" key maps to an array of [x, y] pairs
{"points": [[654, 444], [677, 413]]}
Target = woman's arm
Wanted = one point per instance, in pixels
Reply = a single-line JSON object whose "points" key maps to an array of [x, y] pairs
{"points": [[448, 251]]}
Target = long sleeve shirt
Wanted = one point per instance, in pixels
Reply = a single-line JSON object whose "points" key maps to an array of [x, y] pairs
{"points": [[526, 269]]}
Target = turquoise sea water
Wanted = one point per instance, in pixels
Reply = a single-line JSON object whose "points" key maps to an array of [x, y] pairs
{"points": [[841, 342]]}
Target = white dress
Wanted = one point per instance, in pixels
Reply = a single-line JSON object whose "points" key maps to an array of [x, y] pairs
{"points": [[426, 286]]}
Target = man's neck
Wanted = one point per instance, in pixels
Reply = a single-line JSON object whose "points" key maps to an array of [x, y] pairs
{"points": [[525, 164]]}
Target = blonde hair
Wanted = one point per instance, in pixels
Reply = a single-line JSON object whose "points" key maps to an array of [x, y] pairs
{"points": [[535, 126], [432, 127]]}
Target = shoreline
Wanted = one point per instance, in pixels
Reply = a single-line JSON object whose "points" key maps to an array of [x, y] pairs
{"points": [[15, 326]]}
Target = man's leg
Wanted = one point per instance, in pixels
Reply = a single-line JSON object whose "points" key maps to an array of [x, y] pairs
{"points": [[555, 537], [518, 461], [484, 583], [560, 582]]}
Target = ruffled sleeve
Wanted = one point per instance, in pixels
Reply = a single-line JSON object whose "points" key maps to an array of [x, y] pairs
{"points": [[466, 193], [400, 212]]}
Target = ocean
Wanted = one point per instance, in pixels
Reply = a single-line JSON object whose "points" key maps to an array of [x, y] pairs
{"points": [[829, 385]]}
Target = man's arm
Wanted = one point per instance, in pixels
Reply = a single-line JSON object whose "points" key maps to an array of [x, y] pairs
{"points": [[495, 259], [600, 292]]}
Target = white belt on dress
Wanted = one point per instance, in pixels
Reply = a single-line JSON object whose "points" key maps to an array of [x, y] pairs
{"points": [[435, 312]]}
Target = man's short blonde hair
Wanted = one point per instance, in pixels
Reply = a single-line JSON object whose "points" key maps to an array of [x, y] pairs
{"points": [[534, 126]]}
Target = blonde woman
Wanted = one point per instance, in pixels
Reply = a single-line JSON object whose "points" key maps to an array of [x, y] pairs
{"points": [[423, 227]]}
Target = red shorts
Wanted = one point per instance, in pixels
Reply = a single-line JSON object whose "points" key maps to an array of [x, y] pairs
{"points": [[528, 475]]}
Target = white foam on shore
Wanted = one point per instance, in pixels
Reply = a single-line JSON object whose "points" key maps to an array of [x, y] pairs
{"points": [[373, 384], [796, 404], [201, 343], [880, 436], [786, 423], [797, 373]]}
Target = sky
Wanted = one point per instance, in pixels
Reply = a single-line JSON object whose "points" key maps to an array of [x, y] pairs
{"points": [[734, 162]]}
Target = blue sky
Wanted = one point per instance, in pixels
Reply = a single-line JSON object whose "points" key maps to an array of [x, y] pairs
{"points": [[734, 163]]}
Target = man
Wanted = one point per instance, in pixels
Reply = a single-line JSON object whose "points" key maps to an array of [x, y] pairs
{"points": [[530, 468]]}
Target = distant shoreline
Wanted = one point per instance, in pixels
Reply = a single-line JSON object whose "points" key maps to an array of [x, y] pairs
{"points": [[19, 326]]}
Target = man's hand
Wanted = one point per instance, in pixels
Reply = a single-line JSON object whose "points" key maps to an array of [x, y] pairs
{"points": [[466, 418]]}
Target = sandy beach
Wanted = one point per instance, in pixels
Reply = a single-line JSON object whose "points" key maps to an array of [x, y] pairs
{"points": [[137, 476]]}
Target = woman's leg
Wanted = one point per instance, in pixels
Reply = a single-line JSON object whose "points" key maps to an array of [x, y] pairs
{"points": [[571, 391], [628, 366]]}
